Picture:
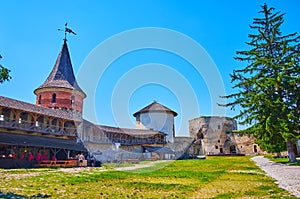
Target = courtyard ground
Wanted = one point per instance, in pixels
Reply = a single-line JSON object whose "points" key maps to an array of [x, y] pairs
{"points": [[215, 177]]}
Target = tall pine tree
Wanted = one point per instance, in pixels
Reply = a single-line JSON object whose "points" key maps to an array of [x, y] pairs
{"points": [[268, 87]]}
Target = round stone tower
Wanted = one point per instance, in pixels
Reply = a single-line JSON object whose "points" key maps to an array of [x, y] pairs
{"points": [[158, 118], [60, 90]]}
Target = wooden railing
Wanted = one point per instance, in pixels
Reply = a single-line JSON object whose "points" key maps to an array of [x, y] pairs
{"points": [[41, 128]]}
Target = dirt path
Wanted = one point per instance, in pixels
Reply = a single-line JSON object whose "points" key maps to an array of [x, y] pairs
{"points": [[288, 177]]}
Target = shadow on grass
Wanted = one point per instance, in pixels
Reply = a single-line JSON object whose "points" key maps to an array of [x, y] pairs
{"points": [[286, 161], [11, 195]]}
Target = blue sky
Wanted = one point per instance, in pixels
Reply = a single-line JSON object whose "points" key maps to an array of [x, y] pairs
{"points": [[30, 43]]}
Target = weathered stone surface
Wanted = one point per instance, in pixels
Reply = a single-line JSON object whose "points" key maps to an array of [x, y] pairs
{"points": [[181, 145], [246, 145], [213, 135]]}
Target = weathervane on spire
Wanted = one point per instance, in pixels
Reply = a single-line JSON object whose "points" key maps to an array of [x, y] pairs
{"points": [[67, 30]]}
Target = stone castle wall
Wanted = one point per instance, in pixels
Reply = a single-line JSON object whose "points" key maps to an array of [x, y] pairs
{"points": [[246, 145], [213, 135], [181, 144]]}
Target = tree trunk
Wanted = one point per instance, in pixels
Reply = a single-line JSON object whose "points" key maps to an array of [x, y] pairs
{"points": [[290, 150]]}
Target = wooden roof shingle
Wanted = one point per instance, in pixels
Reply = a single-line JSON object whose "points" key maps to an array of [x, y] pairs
{"points": [[128, 131], [62, 75], [27, 107]]}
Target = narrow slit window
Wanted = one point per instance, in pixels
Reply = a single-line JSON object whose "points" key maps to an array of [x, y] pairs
{"points": [[72, 100], [40, 99], [53, 98]]}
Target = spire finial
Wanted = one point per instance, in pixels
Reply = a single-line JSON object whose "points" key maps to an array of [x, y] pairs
{"points": [[67, 30]]}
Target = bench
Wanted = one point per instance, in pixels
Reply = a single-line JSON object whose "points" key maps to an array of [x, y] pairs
{"points": [[57, 163]]}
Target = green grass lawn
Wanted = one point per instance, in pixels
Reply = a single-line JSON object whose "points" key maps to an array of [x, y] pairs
{"points": [[215, 177]]}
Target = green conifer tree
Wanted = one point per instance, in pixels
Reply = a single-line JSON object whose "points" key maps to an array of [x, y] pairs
{"points": [[268, 87]]}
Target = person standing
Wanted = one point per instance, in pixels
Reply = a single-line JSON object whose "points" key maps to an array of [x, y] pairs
{"points": [[81, 158], [38, 157], [30, 157], [93, 161]]}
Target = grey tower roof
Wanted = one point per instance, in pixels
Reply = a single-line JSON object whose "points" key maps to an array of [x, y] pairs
{"points": [[155, 107], [62, 75]]}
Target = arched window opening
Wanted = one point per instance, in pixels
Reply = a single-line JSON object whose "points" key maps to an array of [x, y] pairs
{"points": [[54, 122], [70, 127], [255, 149], [200, 135], [6, 114], [55, 125], [23, 118], [232, 149], [221, 150], [53, 98], [40, 121]]}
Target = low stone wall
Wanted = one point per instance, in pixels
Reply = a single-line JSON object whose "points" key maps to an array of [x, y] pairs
{"points": [[246, 145], [181, 145]]}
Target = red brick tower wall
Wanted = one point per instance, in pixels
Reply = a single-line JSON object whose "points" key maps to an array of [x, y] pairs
{"points": [[63, 100]]}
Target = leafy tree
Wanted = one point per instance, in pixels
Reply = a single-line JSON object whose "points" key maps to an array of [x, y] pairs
{"points": [[4, 73], [268, 87]]}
